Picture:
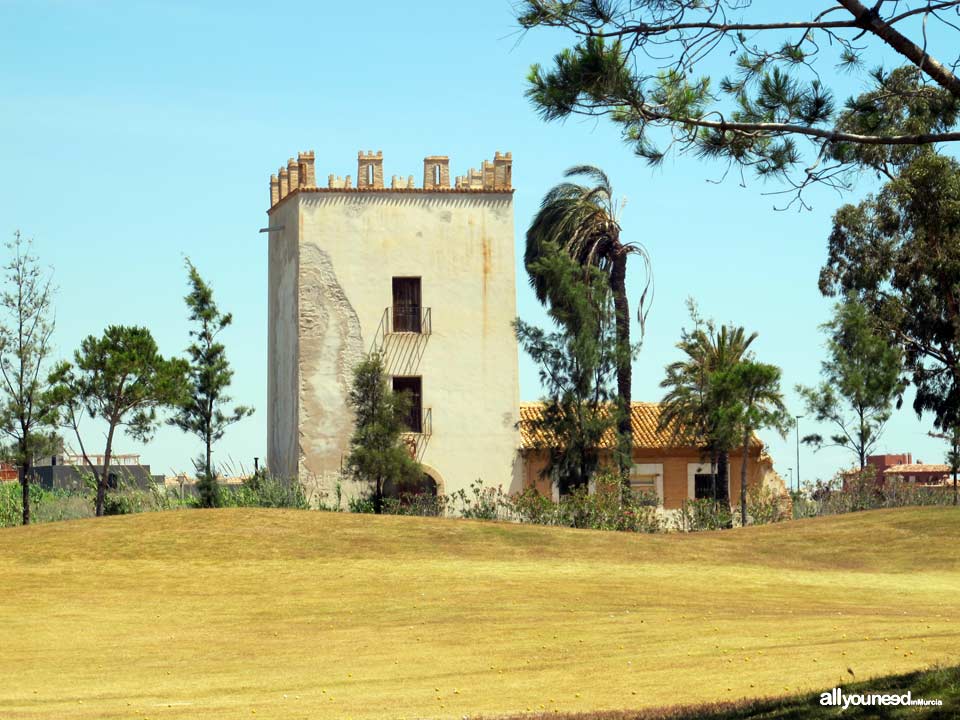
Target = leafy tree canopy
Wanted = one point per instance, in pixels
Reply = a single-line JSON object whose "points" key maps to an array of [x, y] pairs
{"points": [[899, 253], [861, 381], [577, 364], [774, 112], [122, 379]]}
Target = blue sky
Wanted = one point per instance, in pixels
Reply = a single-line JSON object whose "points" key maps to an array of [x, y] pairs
{"points": [[135, 133]]}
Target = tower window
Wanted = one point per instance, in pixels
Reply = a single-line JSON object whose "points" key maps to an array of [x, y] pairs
{"points": [[406, 305], [413, 387]]}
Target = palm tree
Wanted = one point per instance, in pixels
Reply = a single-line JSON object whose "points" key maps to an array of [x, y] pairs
{"points": [[695, 410], [581, 221], [758, 404]]}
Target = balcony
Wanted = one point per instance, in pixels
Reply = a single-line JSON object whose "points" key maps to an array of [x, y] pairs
{"points": [[420, 423], [411, 319], [415, 440]]}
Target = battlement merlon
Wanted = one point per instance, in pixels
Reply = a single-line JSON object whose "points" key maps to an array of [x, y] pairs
{"points": [[300, 175]]}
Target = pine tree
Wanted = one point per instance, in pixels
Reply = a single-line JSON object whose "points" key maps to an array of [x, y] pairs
{"points": [[377, 454], [204, 414]]}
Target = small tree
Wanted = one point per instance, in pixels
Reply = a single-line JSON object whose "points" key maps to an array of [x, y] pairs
{"points": [[123, 380], [204, 414], [861, 381], [578, 364], [26, 415], [695, 410], [757, 403], [377, 454]]}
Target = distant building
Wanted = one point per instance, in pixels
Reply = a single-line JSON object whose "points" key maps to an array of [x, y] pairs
{"points": [[67, 471], [887, 467]]}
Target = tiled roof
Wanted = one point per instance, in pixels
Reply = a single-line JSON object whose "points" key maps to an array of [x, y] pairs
{"points": [[916, 468], [644, 420]]}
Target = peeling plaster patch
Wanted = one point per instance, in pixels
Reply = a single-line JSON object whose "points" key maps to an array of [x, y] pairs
{"points": [[330, 342]]}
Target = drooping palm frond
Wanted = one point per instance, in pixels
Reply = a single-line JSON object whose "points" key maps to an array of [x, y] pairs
{"points": [[582, 222]]}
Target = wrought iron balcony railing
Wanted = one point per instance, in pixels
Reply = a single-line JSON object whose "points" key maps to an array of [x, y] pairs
{"points": [[408, 319], [422, 425]]}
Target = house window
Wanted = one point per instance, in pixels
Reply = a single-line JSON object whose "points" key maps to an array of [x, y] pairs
{"points": [[703, 487], [406, 304], [413, 387], [647, 478]]}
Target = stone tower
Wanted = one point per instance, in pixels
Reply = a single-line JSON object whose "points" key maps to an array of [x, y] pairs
{"points": [[424, 276]]}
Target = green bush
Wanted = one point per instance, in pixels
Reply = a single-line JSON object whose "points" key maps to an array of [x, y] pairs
{"points": [[765, 505], [603, 509], [705, 514], [361, 505], [266, 491], [482, 503], [417, 504], [858, 491]]}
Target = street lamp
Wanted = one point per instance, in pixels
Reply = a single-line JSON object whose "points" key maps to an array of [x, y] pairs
{"points": [[798, 451]]}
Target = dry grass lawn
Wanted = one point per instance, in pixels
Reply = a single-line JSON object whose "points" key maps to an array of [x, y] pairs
{"points": [[286, 614]]}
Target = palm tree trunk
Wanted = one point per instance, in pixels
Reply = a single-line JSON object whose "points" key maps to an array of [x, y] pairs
{"points": [[743, 481], [618, 285]]}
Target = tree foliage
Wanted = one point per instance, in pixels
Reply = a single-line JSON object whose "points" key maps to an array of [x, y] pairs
{"points": [[27, 417], [899, 254], [582, 222], [205, 413], [122, 380], [752, 401], [774, 112], [378, 455], [695, 410], [577, 364], [861, 381]]}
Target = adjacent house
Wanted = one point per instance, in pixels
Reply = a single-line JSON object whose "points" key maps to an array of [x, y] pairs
{"points": [[674, 472]]}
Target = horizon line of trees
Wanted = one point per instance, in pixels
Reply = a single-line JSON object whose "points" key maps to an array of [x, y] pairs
{"points": [[119, 378]]}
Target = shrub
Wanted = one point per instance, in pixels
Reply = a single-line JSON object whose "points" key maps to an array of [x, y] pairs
{"points": [[765, 505], [418, 504], [603, 509], [705, 514], [266, 491], [482, 503], [361, 505]]}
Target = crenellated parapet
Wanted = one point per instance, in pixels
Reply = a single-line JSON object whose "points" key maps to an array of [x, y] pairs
{"points": [[300, 176]]}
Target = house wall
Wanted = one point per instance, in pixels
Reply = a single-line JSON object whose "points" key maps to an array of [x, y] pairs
{"points": [[348, 246], [678, 466]]}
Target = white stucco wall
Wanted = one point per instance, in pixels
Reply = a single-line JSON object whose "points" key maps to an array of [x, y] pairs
{"points": [[350, 246], [283, 344]]}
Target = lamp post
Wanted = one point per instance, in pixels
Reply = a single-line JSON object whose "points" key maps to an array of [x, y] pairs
{"points": [[798, 417]]}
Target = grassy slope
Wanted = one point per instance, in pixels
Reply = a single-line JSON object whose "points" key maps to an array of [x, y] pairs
{"points": [[284, 614], [936, 684]]}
